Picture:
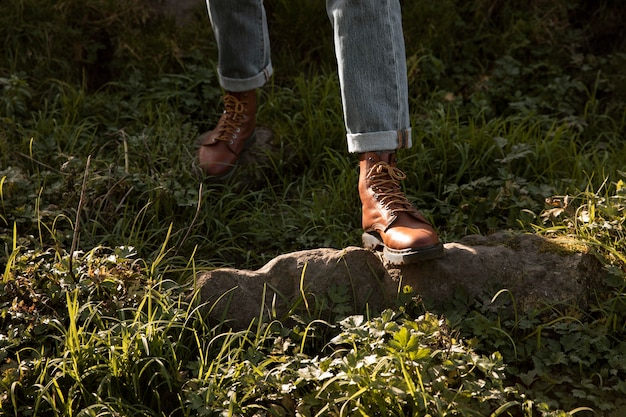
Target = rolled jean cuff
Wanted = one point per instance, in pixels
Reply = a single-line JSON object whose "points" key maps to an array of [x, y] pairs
{"points": [[237, 85], [379, 141]]}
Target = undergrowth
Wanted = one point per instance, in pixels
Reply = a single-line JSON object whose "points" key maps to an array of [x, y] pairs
{"points": [[518, 118]]}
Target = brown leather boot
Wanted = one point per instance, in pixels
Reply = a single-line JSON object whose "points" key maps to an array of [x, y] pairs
{"points": [[220, 148], [390, 222]]}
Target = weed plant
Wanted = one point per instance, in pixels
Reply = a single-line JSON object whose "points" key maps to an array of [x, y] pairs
{"points": [[104, 220]]}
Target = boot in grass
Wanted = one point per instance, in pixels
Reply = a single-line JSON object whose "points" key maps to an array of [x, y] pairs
{"points": [[390, 222], [220, 148]]}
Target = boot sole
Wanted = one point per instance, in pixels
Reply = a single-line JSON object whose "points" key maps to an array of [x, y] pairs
{"points": [[402, 256]]}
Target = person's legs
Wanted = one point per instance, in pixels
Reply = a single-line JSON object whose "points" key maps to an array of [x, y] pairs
{"points": [[372, 71], [371, 59], [244, 64], [240, 29]]}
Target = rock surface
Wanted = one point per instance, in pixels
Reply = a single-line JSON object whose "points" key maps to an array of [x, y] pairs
{"points": [[536, 271]]}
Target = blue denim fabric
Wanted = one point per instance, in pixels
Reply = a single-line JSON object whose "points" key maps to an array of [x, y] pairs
{"points": [[371, 60]]}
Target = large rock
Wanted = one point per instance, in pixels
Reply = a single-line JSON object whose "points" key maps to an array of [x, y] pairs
{"points": [[535, 270]]}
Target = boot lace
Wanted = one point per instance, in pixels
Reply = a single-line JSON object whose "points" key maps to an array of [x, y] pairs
{"points": [[385, 180], [229, 125]]}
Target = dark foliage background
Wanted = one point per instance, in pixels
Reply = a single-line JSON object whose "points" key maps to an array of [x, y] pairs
{"points": [[100, 102]]}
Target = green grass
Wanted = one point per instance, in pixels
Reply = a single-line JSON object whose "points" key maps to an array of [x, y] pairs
{"points": [[100, 104]]}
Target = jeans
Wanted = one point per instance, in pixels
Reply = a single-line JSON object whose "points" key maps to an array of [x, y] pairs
{"points": [[369, 46]]}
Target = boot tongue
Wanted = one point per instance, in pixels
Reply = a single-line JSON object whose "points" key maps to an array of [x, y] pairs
{"points": [[234, 105], [373, 157], [388, 157], [385, 178]]}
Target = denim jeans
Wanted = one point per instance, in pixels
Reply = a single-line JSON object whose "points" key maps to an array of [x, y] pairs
{"points": [[371, 60]]}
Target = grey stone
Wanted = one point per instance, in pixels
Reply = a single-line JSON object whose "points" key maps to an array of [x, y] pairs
{"points": [[238, 296], [535, 271]]}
